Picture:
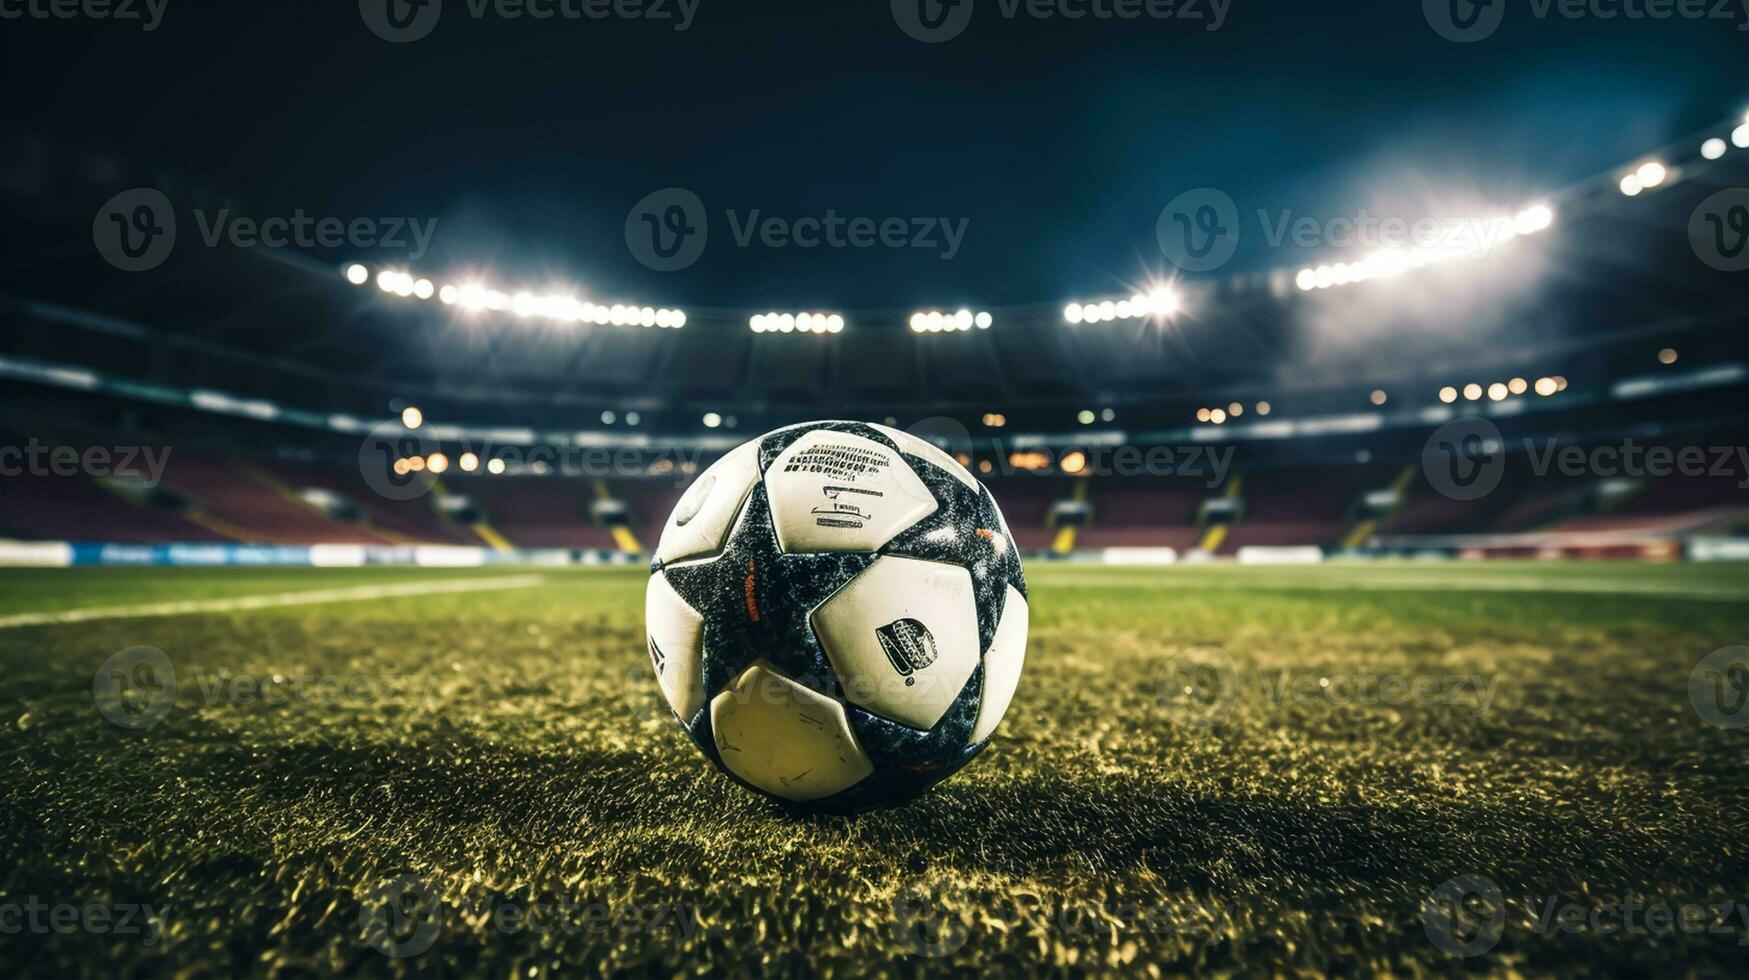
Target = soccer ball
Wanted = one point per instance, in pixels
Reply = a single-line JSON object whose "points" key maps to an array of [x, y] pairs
{"points": [[836, 614]]}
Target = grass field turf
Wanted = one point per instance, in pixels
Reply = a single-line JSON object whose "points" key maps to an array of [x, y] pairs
{"points": [[499, 752]]}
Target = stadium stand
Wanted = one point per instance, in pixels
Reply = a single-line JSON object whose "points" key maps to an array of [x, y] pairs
{"points": [[413, 521], [1291, 506], [536, 512], [1147, 511], [648, 503], [253, 506], [1026, 502], [38, 507], [207, 497]]}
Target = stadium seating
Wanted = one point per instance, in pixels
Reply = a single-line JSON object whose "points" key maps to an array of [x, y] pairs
{"points": [[1143, 511], [211, 497], [73, 508], [1026, 502], [648, 503], [413, 521], [537, 512], [251, 505]]}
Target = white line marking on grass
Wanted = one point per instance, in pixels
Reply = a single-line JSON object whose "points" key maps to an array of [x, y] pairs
{"points": [[363, 593], [1402, 583]]}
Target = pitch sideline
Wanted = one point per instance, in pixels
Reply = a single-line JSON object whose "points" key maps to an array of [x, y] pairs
{"points": [[363, 593]]}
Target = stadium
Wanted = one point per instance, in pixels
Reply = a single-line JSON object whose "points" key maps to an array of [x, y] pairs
{"points": [[1363, 389]]}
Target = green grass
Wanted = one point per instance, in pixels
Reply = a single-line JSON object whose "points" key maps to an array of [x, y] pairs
{"points": [[502, 749]]}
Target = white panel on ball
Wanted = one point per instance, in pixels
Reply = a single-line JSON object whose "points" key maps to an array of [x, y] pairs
{"points": [[902, 637], [707, 509], [785, 739], [675, 639], [1002, 663], [918, 446], [836, 491]]}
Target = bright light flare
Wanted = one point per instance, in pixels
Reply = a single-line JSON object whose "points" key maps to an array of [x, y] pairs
{"points": [[814, 323], [937, 321], [1161, 302], [1392, 261]]}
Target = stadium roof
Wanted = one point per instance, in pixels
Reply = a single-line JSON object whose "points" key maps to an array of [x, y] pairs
{"points": [[1059, 143]]}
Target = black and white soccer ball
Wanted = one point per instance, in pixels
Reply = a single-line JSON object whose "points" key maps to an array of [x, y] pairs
{"points": [[836, 613]]}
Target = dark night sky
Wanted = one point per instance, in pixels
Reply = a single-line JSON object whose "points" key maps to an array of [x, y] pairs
{"points": [[1059, 142]]}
